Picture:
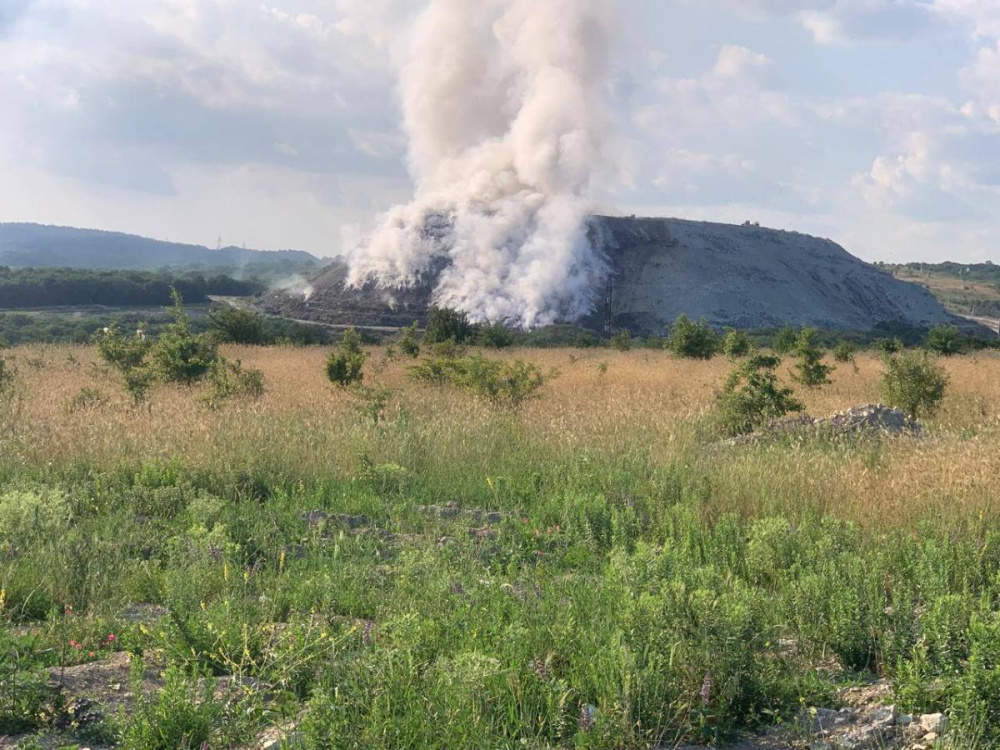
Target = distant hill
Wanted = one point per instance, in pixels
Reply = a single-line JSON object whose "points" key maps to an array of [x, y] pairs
{"points": [[38, 246], [968, 289]]}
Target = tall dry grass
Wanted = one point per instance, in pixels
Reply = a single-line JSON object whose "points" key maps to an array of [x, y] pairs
{"points": [[643, 405]]}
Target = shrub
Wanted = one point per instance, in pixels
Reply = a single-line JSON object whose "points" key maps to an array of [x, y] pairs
{"points": [[228, 380], [408, 343], [622, 341], [753, 396], [181, 716], [179, 355], [495, 337], [235, 326], [693, 340], [914, 383], [127, 354], [810, 370], [344, 366], [945, 340], [844, 352], [889, 346], [503, 383], [444, 324], [8, 377], [736, 344], [784, 340]]}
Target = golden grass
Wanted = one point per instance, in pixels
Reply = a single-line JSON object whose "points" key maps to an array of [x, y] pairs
{"points": [[646, 402]]}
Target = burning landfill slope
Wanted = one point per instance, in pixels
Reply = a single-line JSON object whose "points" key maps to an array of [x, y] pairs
{"points": [[657, 269]]}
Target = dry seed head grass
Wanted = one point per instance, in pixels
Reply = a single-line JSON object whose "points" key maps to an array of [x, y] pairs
{"points": [[646, 401]]}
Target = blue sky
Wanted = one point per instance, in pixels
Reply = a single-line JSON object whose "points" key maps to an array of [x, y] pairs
{"points": [[275, 123]]}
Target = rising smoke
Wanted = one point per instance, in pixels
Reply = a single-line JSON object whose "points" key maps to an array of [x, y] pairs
{"points": [[504, 105]]}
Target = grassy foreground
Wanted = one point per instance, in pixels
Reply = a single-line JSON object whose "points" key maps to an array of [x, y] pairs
{"points": [[413, 569]]}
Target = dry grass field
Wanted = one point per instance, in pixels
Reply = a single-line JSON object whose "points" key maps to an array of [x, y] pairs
{"points": [[405, 566]]}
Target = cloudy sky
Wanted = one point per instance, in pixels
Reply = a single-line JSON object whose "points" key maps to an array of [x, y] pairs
{"points": [[274, 123]]}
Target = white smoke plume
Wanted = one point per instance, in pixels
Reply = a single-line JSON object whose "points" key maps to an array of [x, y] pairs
{"points": [[505, 107]]}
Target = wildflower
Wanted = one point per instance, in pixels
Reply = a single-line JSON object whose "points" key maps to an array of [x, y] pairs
{"points": [[706, 689], [91, 654], [75, 645], [586, 720], [111, 638]]}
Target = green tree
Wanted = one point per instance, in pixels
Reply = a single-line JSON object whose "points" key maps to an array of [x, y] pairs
{"points": [[495, 336], [785, 339], [914, 383], [179, 355], [736, 344], [127, 354], [444, 324], [810, 370], [753, 396], [693, 340], [235, 326], [945, 340], [409, 343], [345, 366], [844, 352]]}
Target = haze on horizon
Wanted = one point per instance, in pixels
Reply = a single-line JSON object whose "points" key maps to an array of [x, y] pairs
{"points": [[276, 124]]}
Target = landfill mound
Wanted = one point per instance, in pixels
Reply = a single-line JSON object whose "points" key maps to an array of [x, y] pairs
{"points": [[744, 276]]}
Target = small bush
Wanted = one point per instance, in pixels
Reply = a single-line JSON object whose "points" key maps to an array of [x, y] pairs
{"points": [[234, 326], [181, 716], [344, 366], [889, 346], [179, 355], [227, 380], [753, 396], [810, 370], [409, 343], [945, 340], [785, 339], [736, 344], [844, 352], [444, 324], [506, 384], [127, 354], [495, 337], [693, 340], [622, 341], [914, 383]]}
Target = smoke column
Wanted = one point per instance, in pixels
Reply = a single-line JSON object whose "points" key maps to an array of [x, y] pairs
{"points": [[504, 105]]}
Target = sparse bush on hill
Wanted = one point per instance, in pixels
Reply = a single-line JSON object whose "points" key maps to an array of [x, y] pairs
{"points": [[228, 380], [945, 340], [503, 383], [180, 355], [344, 366], [810, 370], [785, 339], [753, 396], [889, 346], [409, 342], [693, 340], [234, 326], [736, 344], [914, 383], [844, 352], [444, 324]]}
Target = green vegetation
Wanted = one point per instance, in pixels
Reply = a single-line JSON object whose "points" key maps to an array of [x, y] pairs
{"points": [[409, 343], [228, 380], [54, 287], [180, 355], [448, 325], [693, 340], [345, 366], [945, 340], [752, 396], [621, 341], [504, 384], [810, 370], [235, 326], [784, 340], [736, 344], [844, 352], [914, 383]]}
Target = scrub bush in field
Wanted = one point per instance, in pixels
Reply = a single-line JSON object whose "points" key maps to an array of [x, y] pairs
{"points": [[180, 356], [693, 340], [344, 366], [736, 344], [495, 336], [914, 383], [227, 380], [127, 354], [844, 352], [409, 343], [622, 341], [888, 346], [945, 340], [753, 396], [444, 324], [501, 382], [810, 370], [234, 326], [784, 340], [26, 514]]}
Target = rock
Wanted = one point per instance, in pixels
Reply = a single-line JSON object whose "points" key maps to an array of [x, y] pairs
{"points": [[930, 738], [935, 723], [904, 720]]}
